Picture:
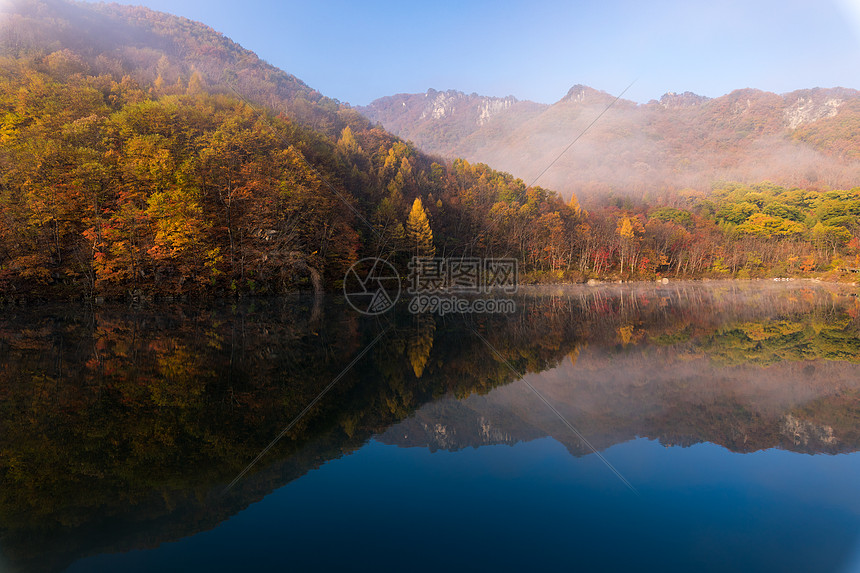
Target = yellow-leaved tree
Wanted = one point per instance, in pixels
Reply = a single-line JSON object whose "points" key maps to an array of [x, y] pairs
{"points": [[418, 231]]}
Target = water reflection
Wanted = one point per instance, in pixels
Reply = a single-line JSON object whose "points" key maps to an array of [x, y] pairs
{"points": [[121, 426]]}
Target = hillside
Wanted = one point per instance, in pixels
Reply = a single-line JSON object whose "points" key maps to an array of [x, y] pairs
{"points": [[440, 122], [146, 154], [806, 138]]}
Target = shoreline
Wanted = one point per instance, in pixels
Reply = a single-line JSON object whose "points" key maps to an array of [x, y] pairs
{"points": [[666, 281], [337, 294]]}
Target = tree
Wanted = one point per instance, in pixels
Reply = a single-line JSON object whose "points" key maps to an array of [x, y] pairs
{"points": [[418, 230], [625, 230], [574, 204], [348, 143]]}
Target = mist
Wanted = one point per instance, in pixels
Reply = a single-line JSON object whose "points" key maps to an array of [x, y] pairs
{"points": [[682, 141]]}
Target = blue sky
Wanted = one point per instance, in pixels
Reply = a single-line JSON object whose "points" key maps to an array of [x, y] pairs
{"points": [[356, 51]]}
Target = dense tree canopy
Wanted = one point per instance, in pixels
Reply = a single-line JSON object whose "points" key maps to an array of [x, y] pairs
{"points": [[111, 187], [189, 166]]}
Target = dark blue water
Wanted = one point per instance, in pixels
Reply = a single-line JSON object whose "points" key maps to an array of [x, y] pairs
{"points": [[635, 428], [534, 506]]}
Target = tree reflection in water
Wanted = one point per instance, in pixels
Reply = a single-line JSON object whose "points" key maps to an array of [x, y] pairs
{"points": [[121, 426]]}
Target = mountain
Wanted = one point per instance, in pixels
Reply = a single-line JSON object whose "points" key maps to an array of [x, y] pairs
{"points": [[439, 121], [115, 40], [804, 138], [145, 154]]}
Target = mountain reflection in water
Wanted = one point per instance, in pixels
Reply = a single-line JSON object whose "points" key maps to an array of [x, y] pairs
{"points": [[121, 426]]}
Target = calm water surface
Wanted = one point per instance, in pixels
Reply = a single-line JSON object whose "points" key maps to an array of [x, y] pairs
{"points": [[690, 427]]}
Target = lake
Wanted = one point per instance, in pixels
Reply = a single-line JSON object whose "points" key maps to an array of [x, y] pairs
{"points": [[708, 426]]}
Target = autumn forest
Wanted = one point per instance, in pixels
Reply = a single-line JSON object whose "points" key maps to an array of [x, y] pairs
{"points": [[178, 163]]}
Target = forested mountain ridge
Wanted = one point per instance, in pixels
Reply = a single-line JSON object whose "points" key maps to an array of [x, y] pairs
{"points": [[440, 122], [803, 138], [116, 40], [145, 153]]}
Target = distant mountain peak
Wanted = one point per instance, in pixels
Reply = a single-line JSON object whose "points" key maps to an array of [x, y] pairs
{"points": [[442, 104], [806, 110], [672, 100], [810, 105], [584, 94], [681, 140]]}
